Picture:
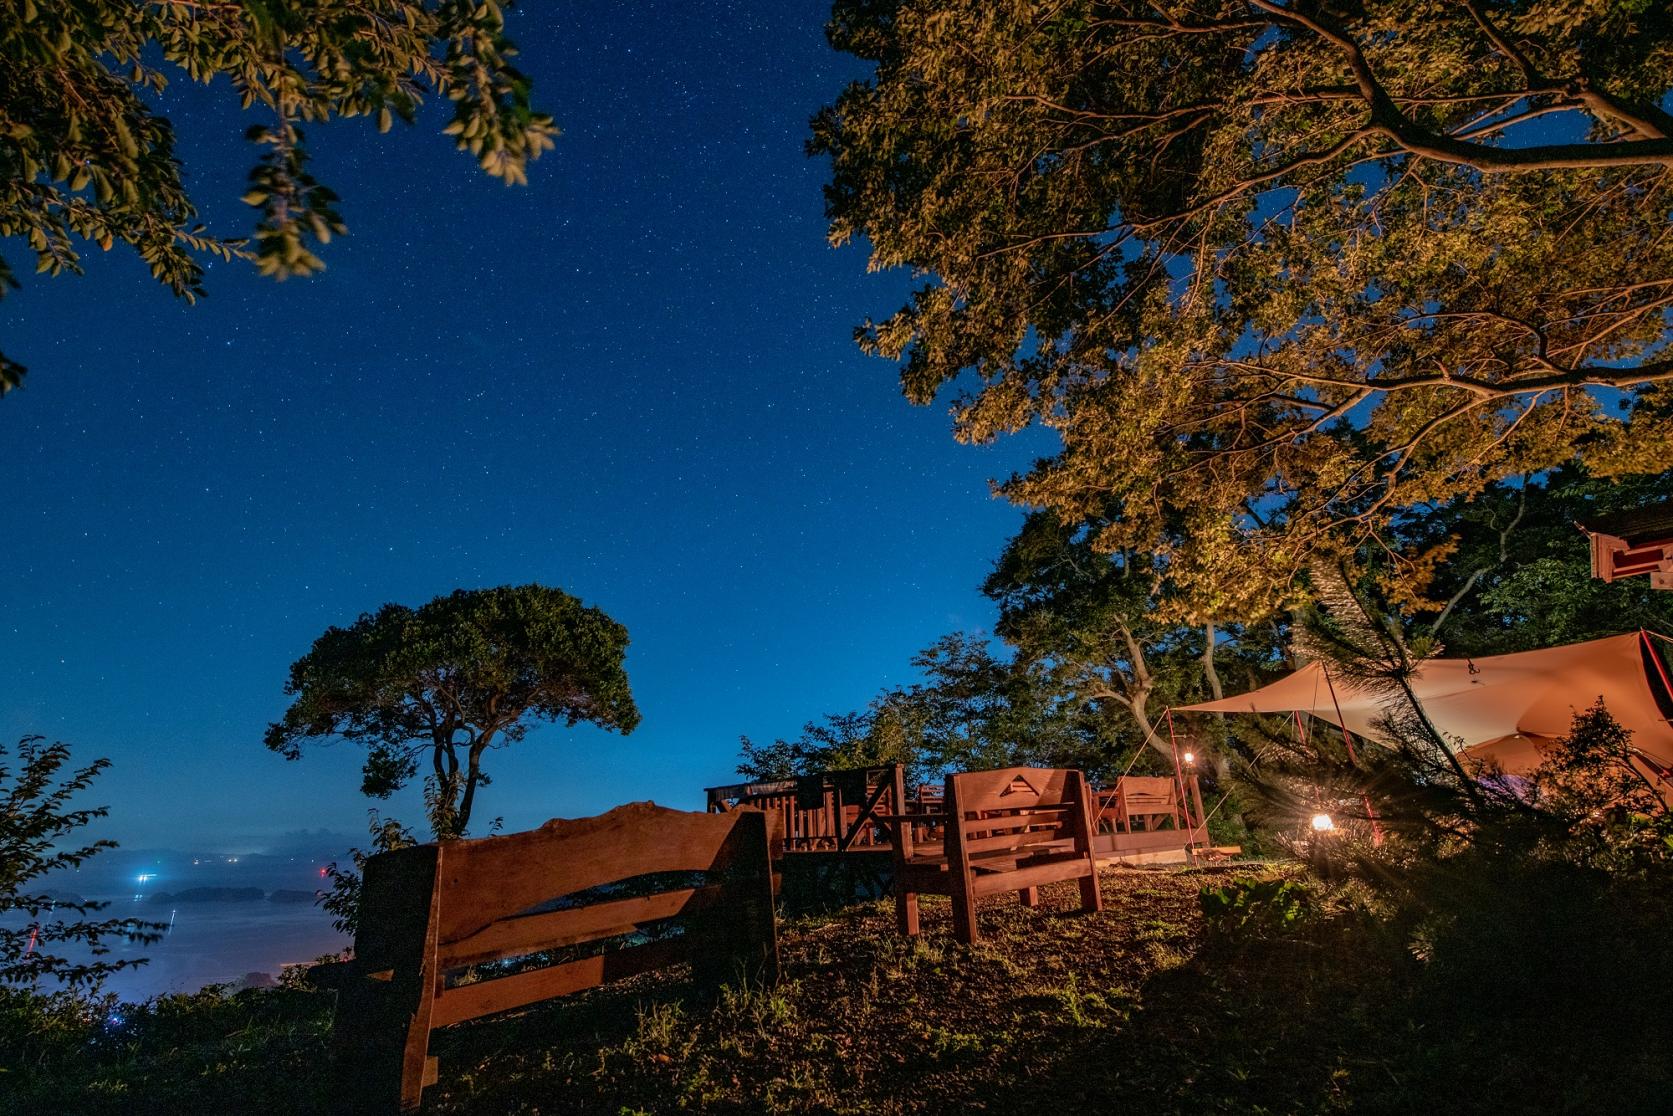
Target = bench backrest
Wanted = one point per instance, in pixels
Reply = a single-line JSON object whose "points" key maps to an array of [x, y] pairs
{"points": [[1145, 793], [436, 909], [1016, 807]]}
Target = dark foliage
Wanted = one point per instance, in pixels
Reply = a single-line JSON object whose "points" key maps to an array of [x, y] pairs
{"points": [[38, 830]]}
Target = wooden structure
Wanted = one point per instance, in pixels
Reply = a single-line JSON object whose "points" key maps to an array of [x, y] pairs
{"points": [[831, 811], [1144, 817], [1006, 830], [1633, 543], [830, 844], [667, 886]]}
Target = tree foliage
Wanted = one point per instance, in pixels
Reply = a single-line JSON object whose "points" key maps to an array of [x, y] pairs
{"points": [[1272, 272], [85, 156], [971, 709], [38, 831], [451, 679], [1512, 572], [1097, 626]]}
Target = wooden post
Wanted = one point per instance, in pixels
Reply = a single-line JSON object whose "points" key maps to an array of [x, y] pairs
{"points": [[1196, 799], [1091, 895], [958, 868], [382, 1030], [739, 938]]}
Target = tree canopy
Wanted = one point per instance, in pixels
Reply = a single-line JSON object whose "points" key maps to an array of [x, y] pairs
{"points": [[85, 156], [1512, 572], [1096, 628], [452, 678], [1272, 272], [972, 709]]}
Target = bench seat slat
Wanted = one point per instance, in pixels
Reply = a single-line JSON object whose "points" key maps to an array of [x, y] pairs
{"points": [[469, 1001], [512, 937]]}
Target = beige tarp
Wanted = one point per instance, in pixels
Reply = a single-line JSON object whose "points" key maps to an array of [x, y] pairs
{"points": [[1503, 707]]}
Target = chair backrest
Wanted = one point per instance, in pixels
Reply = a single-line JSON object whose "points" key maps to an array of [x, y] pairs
{"points": [[1148, 792], [436, 909], [1015, 807]]}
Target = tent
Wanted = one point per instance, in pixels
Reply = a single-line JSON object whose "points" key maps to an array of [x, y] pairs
{"points": [[1504, 708]]}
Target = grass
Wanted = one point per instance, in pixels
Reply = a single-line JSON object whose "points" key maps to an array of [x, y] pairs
{"points": [[1132, 1007]]}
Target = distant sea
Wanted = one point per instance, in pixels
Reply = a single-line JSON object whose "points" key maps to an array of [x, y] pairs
{"points": [[214, 943], [207, 941]]}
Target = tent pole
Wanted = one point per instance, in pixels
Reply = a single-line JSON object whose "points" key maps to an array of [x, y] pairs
{"points": [[1179, 782], [1658, 770], [1353, 756], [1644, 637]]}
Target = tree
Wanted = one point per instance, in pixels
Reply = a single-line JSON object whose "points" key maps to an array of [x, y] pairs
{"points": [[83, 154], [455, 677], [1098, 627], [36, 821], [1512, 571], [838, 741], [972, 710], [1272, 272]]}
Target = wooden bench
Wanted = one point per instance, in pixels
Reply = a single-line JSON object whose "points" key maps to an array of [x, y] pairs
{"points": [[569, 886], [1149, 801], [1006, 830]]}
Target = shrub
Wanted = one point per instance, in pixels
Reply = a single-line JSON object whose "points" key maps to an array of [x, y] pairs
{"points": [[36, 821], [1249, 906]]}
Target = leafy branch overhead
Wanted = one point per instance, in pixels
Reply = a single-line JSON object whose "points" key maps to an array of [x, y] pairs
{"points": [[84, 156], [1273, 272]]}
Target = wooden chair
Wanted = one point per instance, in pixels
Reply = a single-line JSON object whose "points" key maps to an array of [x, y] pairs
{"points": [[435, 909], [1149, 800], [1006, 830]]}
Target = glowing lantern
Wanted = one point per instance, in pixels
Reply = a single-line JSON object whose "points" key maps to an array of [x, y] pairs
{"points": [[1190, 758], [1322, 823]]}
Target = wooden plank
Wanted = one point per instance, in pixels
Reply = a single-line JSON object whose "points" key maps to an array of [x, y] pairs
{"points": [[486, 879], [958, 862], [1091, 890], [1002, 789], [512, 937], [1019, 839], [867, 811], [384, 1011], [1022, 838], [994, 821], [472, 1001], [1152, 839], [737, 941], [1032, 876]]}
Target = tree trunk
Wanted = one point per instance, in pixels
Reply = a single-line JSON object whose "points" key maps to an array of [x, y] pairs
{"points": [[473, 776], [1217, 755]]}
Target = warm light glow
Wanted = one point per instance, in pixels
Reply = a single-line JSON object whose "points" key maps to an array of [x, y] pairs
{"points": [[1322, 823], [1190, 758]]}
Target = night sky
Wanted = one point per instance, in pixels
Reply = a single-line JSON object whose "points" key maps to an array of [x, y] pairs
{"points": [[634, 379]]}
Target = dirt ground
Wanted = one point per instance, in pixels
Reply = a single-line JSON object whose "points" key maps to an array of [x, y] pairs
{"points": [[1053, 1008]]}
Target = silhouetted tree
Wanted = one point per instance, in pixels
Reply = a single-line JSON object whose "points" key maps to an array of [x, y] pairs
{"points": [[38, 830], [451, 679]]}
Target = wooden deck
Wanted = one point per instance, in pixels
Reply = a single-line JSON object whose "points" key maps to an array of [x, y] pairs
{"points": [[1167, 846], [831, 844]]}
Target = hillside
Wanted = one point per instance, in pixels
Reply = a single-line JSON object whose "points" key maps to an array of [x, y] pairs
{"points": [[1134, 1008]]}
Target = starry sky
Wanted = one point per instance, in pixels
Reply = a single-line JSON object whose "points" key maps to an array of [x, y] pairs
{"points": [[634, 379]]}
